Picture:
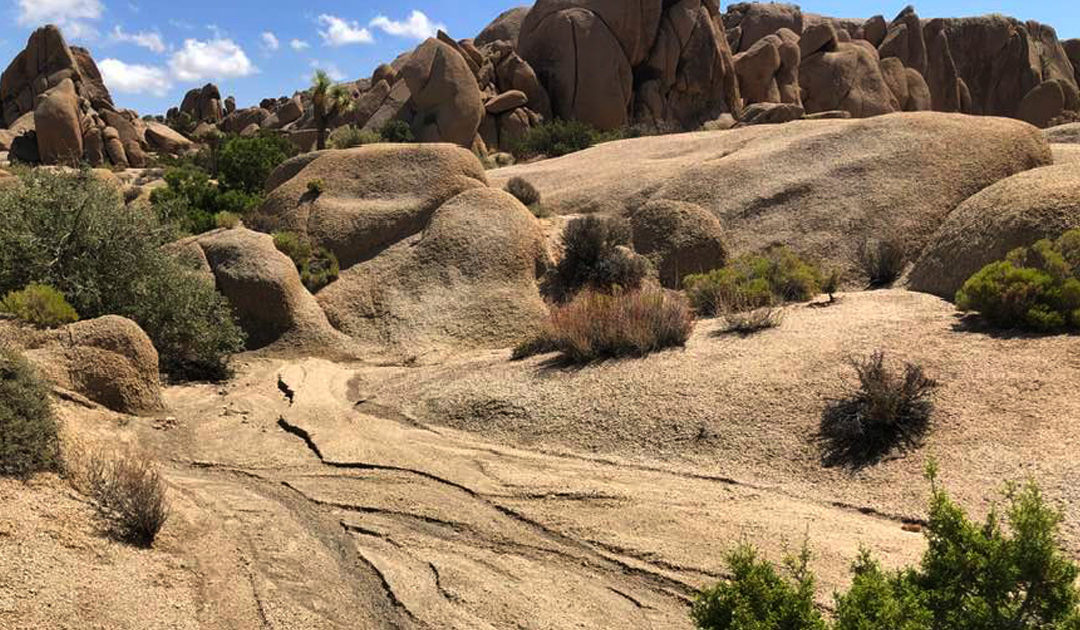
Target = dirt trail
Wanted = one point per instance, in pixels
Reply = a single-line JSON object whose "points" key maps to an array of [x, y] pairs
{"points": [[312, 507]]}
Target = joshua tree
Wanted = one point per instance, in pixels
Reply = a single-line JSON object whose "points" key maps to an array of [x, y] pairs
{"points": [[329, 100]]}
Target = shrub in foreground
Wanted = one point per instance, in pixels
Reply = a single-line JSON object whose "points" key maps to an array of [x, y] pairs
{"points": [[774, 276], [1035, 288], [28, 428], [891, 409], [71, 232], [595, 255], [1007, 572], [597, 326], [40, 305], [317, 266], [127, 489]]}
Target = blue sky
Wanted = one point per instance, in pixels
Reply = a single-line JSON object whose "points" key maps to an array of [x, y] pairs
{"points": [[152, 51]]}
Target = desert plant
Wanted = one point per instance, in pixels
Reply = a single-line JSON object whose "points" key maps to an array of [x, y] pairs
{"points": [[397, 131], [72, 232], [40, 305], [244, 164], [748, 322], [350, 136], [595, 256], [523, 190], [890, 409], [315, 187], [554, 138], [317, 266], [227, 220], [775, 276], [329, 100], [596, 326], [127, 489], [831, 285], [28, 428], [1034, 288], [881, 260]]}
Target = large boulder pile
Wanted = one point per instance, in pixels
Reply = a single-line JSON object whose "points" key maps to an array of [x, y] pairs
{"points": [[57, 110]]}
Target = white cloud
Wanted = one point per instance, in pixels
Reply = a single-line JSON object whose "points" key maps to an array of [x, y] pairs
{"points": [[134, 78], [330, 69], [146, 39], [70, 15], [418, 26], [270, 41], [299, 44], [342, 33], [214, 59]]}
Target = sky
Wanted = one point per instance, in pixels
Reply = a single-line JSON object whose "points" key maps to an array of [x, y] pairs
{"points": [[152, 51]]}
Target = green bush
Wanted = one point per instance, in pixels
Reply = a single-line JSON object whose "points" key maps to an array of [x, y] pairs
{"points": [[244, 164], [316, 187], [397, 131], [317, 266], [227, 220], [1035, 288], [39, 305], [351, 136], [1005, 573], [557, 137], [890, 410], [72, 232], [28, 428], [595, 255], [753, 281]]}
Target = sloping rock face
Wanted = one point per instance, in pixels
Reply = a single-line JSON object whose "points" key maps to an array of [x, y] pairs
{"points": [[823, 187], [1015, 212], [504, 28]]}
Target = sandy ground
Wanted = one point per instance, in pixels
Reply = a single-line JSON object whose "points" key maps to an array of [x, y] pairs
{"points": [[484, 493]]}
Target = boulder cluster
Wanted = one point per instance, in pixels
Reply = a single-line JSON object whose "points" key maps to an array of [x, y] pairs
{"points": [[57, 110]]}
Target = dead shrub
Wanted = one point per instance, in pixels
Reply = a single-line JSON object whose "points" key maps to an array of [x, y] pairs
{"points": [[525, 192], [596, 326], [127, 489], [890, 410], [882, 260], [754, 320]]}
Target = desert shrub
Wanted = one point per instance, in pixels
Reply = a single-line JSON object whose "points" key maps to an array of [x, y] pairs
{"points": [[758, 597], [595, 256], [747, 322], [28, 428], [597, 326], [881, 260], [351, 136], [316, 187], [72, 232], [227, 220], [397, 131], [40, 305], [776, 275], [127, 489], [554, 138], [317, 266], [1035, 288], [188, 200], [890, 409], [244, 164], [524, 191], [1004, 573]]}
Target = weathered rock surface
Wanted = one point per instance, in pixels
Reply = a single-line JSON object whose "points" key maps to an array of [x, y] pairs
{"points": [[445, 93], [503, 28], [679, 239]]}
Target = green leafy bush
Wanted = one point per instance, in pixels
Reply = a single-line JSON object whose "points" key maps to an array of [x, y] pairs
{"points": [[557, 137], [595, 255], [599, 326], [227, 220], [889, 410], [39, 305], [1035, 288], [1007, 572], [72, 232], [397, 131], [317, 266], [753, 281], [244, 164], [351, 136], [28, 428]]}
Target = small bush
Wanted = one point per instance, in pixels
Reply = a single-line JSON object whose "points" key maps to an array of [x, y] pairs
{"points": [[244, 164], [889, 410], [316, 187], [1035, 288], [881, 261], [595, 256], [754, 320], [777, 275], [227, 220], [40, 305], [351, 136], [598, 326], [555, 138], [397, 131], [525, 192], [127, 489], [28, 428], [317, 266]]}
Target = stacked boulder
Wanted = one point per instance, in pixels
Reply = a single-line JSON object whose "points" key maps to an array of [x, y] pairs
{"points": [[57, 110]]}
